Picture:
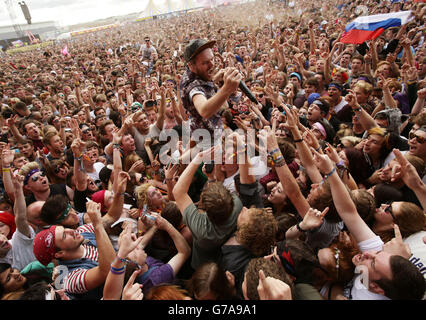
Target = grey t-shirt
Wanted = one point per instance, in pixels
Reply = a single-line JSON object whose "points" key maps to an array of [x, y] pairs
{"points": [[208, 237]]}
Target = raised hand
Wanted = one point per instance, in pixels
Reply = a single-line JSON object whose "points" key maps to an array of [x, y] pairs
{"points": [[270, 288], [322, 161], [7, 156], [396, 246], [313, 219], [93, 209], [133, 291]]}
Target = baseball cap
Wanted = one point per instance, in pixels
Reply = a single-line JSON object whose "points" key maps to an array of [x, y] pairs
{"points": [[195, 47], [312, 97], [44, 245]]}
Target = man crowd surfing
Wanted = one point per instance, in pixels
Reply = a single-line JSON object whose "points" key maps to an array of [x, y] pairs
{"points": [[135, 167]]}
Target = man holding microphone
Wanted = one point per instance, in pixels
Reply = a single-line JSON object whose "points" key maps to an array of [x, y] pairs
{"points": [[200, 96]]}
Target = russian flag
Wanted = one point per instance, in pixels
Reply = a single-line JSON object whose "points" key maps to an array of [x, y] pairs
{"points": [[370, 27]]}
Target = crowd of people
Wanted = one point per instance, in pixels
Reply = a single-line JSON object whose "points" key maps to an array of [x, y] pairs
{"points": [[316, 192]]}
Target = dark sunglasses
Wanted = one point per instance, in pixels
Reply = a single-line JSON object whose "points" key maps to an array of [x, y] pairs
{"points": [[35, 178], [419, 139], [260, 95], [390, 210], [58, 168], [86, 131]]}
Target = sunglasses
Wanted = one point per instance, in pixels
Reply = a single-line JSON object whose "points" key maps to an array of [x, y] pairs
{"points": [[86, 131], [390, 210], [260, 95], [35, 178], [419, 139], [57, 169]]}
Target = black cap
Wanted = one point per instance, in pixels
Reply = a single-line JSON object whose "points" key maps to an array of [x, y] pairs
{"points": [[195, 47]]}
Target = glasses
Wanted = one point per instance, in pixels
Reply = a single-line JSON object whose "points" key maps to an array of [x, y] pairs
{"points": [[86, 131], [260, 95], [35, 178], [389, 209], [419, 139], [58, 168]]}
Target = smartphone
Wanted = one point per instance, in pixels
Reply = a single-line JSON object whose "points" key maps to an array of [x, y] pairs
{"points": [[209, 167]]}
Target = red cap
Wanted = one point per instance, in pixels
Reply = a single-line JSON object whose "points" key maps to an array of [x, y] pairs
{"points": [[99, 197], [44, 245], [8, 219]]}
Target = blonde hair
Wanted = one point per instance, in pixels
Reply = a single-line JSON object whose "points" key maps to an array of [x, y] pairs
{"points": [[365, 86], [141, 194], [26, 168]]}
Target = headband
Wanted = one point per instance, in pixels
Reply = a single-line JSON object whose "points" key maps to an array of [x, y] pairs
{"points": [[29, 174], [321, 129], [336, 86], [64, 214]]}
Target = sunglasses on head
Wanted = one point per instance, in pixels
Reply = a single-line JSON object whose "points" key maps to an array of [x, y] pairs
{"points": [[85, 131], [419, 139]]}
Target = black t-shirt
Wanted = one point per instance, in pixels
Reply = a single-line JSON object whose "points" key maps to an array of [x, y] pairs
{"points": [[55, 189], [235, 259]]}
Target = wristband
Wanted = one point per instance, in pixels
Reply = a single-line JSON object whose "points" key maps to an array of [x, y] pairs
{"points": [[274, 151], [118, 269], [357, 109], [299, 228], [279, 163], [116, 145], [340, 164], [117, 272], [328, 174], [299, 140], [122, 260]]}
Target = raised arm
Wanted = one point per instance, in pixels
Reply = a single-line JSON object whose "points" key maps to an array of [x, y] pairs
{"points": [[209, 107], [115, 279], [302, 148], [289, 183], [6, 161], [106, 253], [410, 176], [20, 207], [183, 249], [342, 200], [180, 191]]}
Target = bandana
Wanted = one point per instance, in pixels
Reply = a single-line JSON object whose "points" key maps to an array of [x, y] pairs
{"points": [[44, 245], [30, 174], [8, 219]]}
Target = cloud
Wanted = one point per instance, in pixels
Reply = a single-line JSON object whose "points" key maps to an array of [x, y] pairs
{"points": [[67, 12]]}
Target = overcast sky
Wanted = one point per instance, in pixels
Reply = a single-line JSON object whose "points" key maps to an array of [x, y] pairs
{"points": [[67, 12]]}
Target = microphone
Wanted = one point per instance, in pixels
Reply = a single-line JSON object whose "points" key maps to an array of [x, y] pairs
{"points": [[247, 92]]}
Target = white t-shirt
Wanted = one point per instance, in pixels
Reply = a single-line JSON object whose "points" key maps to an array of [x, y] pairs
{"points": [[359, 290], [418, 250], [229, 183], [95, 175], [22, 249]]}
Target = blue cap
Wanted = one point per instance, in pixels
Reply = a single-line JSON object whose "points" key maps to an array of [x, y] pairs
{"points": [[295, 74], [312, 97]]}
